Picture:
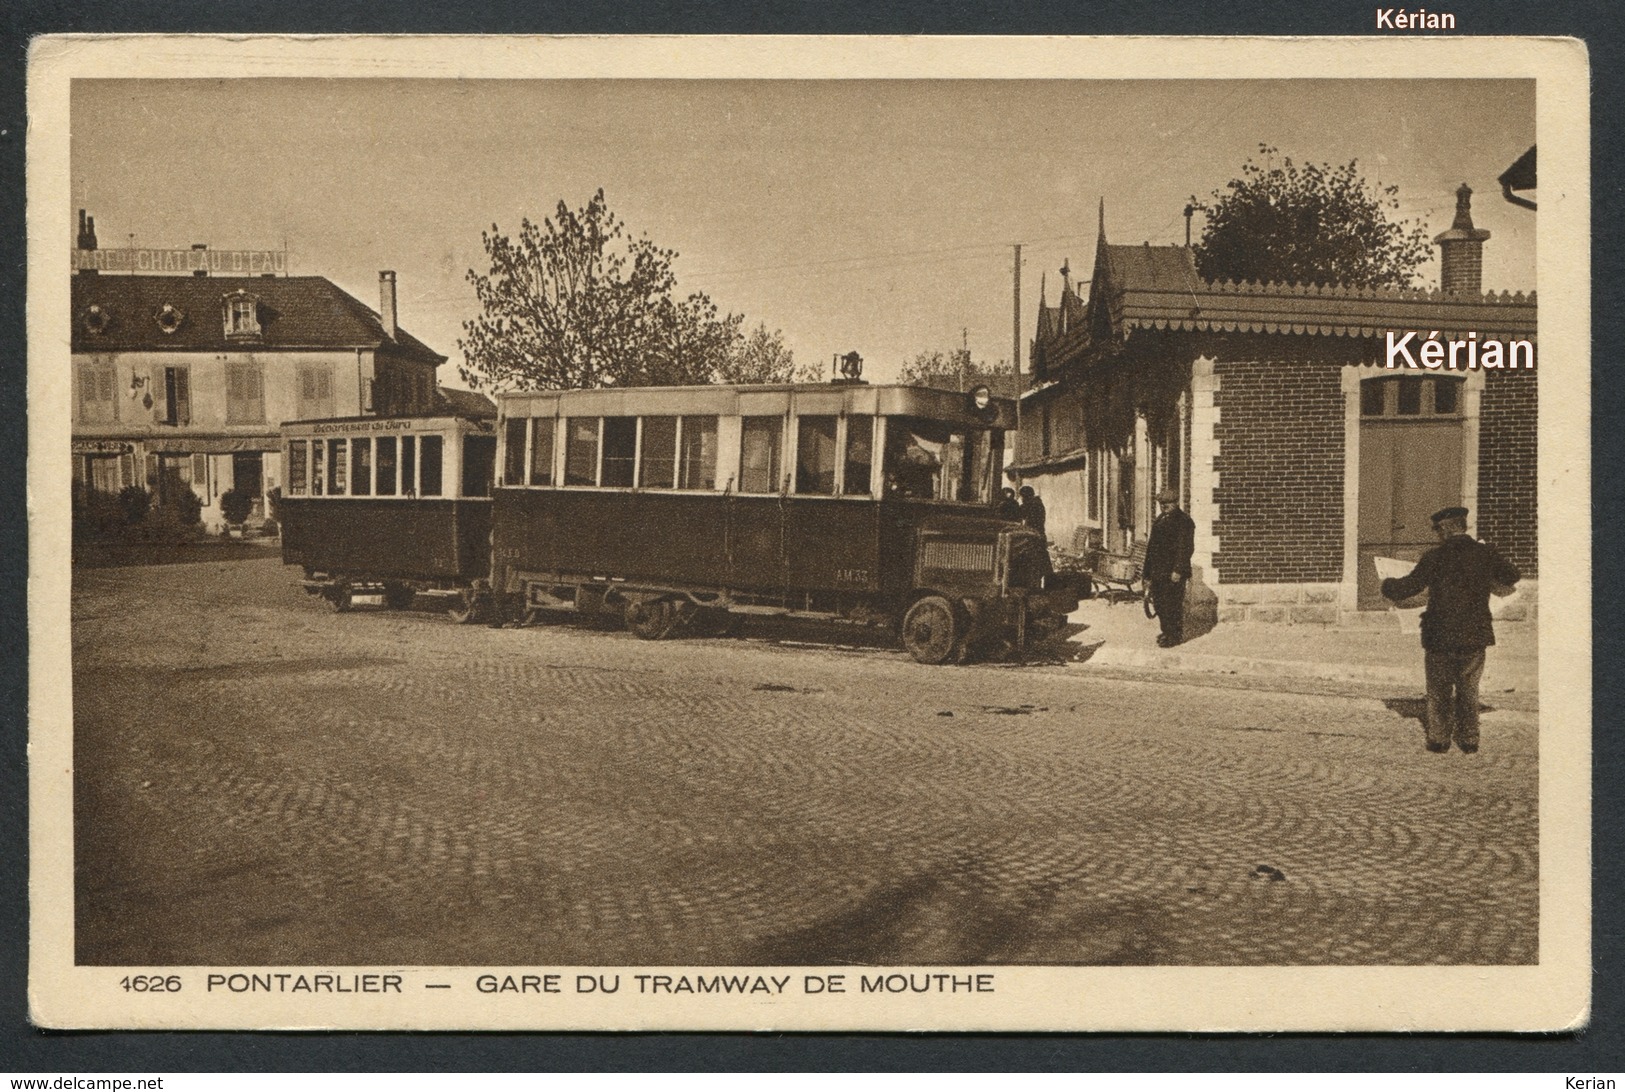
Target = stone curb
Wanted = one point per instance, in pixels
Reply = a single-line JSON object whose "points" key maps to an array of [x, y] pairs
{"points": [[1138, 659]]}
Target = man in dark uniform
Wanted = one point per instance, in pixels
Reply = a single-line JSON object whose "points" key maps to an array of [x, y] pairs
{"points": [[1456, 628], [1032, 509], [1168, 566]]}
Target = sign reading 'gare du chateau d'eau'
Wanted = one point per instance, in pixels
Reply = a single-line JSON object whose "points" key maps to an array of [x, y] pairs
{"points": [[189, 260]]}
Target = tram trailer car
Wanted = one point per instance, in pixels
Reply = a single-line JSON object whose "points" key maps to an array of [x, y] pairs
{"points": [[678, 507], [384, 509]]}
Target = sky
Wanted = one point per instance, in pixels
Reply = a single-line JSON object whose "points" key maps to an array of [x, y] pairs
{"points": [[876, 215]]}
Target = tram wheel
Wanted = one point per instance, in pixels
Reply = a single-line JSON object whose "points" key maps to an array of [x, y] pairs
{"points": [[714, 622], [651, 621], [465, 608], [1148, 603], [931, 630], [399, 596]]}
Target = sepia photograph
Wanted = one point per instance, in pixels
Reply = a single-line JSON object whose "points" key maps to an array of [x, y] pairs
{"points": [[809, 534]]}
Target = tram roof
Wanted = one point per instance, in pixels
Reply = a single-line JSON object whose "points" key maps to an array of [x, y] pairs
{"points": [[886, 400]]}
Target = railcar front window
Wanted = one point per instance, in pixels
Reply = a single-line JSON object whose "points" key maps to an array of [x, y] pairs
{"points": [[513, 451], [620, 451], [433, 458], [298, 456], [698, 464], [860, 447], [815, 455], [659, 464], [937, 461], [759, 454], [361, 467], [387, 466], [581, 451], [541, 451]]}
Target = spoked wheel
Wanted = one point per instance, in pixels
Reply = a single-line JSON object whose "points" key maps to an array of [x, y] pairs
{"points": [[931, 630], [465, 608], [1147, 602], [399, 596], [652, 620]]}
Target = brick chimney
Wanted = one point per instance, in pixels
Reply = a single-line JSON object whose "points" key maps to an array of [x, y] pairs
{"points": [[1461, 250], [87, 237], [386, 300]]}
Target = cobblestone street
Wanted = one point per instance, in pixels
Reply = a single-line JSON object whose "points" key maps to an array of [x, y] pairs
{"points": [[259, 780]]}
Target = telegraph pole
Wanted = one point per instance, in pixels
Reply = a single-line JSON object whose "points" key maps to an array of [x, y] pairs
{"points": [[1015, 344]]}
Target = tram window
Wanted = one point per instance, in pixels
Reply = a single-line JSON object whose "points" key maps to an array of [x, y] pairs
{"points": [[697, 465], [318, 476], [759, 454], [337, 458], [659, 462], [387, 466], [360, 467], [620, 450], [433, 456], [581, 451], [541, 451], [298, 456], [860, 441], [479, 465], [815, 455], [409, 466], [513, 453], [914, 450]]}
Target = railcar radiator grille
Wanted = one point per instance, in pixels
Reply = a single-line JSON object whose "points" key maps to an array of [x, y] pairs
{"points": [[964, 556]]}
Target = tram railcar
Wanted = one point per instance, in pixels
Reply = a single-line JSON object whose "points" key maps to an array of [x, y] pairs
{"points": [[679, 507], [385, 509]]}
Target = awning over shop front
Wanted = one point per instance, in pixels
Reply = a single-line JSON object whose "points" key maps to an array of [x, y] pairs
{"points": [[205, 445]]}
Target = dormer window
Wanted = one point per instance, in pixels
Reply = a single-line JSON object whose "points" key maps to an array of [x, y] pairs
{"points": [[242, 315]]}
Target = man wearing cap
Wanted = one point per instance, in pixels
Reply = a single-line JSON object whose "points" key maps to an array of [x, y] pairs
{"points": [[1168, 566], [1456, 628]]}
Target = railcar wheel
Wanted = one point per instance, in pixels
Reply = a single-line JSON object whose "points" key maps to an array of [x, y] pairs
{"points": [[714, 622], [651, 621], [399, 596], [931, 630], [465, 608], [1147, 602]]}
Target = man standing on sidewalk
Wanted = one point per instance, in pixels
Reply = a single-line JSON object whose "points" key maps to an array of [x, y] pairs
{"points": [[1168, 566], [1456, 628]]}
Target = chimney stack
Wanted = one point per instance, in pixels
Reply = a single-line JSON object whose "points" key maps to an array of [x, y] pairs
{"points": [[386, 301], [1461, 250], [87, 237]]}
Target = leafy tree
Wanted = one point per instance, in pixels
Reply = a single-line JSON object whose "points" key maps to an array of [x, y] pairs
{"points": [[761, 357], [950, 371], [576, 302], [1308, 224]]}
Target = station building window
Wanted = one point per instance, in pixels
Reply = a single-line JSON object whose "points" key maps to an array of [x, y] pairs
{"points": [[96, 393], [177, 395], [245, 394], [759, 454], [315, 390], [815, 455]]}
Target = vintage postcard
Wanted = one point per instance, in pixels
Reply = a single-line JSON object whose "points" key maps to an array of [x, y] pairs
{"points": [[809, 533]]}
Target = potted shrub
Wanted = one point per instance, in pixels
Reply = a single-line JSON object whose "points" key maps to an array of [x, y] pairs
{"points": [[235, 506]]}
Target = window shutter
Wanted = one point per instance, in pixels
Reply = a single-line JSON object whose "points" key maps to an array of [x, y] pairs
{"points": [[324, 384], [104, 384], [307, 384], [183, 396]]}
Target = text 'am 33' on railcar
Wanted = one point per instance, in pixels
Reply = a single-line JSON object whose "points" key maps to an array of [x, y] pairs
{"points": [[385, 509]]}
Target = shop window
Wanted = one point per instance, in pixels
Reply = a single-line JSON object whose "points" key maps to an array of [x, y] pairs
{"points": [[245, 394], [620, 451], [360, 467], [541, 451], [759, 454], [318, 479], [860, 454], [177, 395], [433, 460], [659, 462], [409, 466], [581, 451], [337, 464], [96, 393], [513, 451], [815, 455], [697, 461], [315, 391], [298, 469], [387, 466]]}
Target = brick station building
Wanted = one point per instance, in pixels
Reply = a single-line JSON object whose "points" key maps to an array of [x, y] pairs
{"points": [[180, 381], [1268, 407]]}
